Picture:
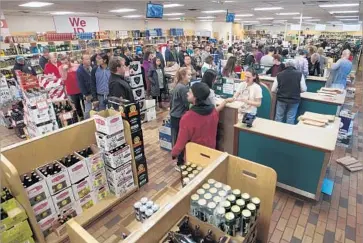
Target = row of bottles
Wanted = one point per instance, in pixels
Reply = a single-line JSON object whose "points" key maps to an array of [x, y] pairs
{"points": [[30, 179], [51, 169], [6, 195], [69, 160], [87, 152]]}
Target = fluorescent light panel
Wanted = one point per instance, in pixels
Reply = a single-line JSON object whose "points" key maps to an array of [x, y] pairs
{"points": [[339, 5], [343, 12], [173, 18], [349, 20], [206, 20], [206, 17], [342, 17], [122, 10], [62, 13], [265, 18], [132, 16], [268, 9], [173, 5], [285, 14], [252, 21], [214, 11], [35, 4], [174, 14], [244, 15], [302, 17]]}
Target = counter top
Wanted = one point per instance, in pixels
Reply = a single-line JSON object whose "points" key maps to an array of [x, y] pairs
{"points": [[316, 78], [267, 78], [315, 137], [234, 105], [337, 99]]}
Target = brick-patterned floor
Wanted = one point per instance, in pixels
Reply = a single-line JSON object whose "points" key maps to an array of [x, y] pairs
{"points": [[336, 218]]}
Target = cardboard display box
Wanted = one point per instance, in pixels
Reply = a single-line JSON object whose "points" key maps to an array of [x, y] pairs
{"points": [[142, 104], [57, 182], [119, 157], [108, 122], [119, 188], [16, 215], [78, 171], [37, 192], [139, 93], [151, 114], [95, 161], [86, 203], [18, 233], [46, 224], [135, 68], [120, 173], [98, 178], [136, 81], [110, 142], [82, 188], [63, 200], [131, 113], [43, 209]]}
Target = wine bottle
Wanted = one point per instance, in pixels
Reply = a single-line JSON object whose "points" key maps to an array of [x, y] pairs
{"points": [[50, 170]]}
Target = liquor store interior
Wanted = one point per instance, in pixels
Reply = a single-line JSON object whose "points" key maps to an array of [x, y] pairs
{"points": [[175, 121]]}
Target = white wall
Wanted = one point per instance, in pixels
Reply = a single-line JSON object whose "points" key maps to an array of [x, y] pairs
{"points": [[281, 28]]}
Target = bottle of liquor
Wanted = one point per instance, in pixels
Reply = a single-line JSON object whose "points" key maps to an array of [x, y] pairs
{"points": [[50, 170], [3, 214], [89, 150], [68, 107]]}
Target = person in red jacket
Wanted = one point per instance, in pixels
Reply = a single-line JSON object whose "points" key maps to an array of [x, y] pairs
{"points": [[199, 124], [68, 72], [52, 66]]}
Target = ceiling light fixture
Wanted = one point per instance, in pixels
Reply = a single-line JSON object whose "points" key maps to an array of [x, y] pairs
{"points": [[312, 20], [132, 16], [339, 5], [268, 9], [173, 14], [35, 4], [237, 19], [206, 20], [244, 15], [285, 14], [214, 11], [62, 13], [265, 18], [173, 18], [206, 17], [252, 21], [342, 17], [343, 12], [173, 5], [302, 17], [349, 20], [122, 10]]}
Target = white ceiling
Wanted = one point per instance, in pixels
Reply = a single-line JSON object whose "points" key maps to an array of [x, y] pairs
{"points": [[101, 9]]}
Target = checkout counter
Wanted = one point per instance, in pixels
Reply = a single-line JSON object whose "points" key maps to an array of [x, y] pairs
{"points": [[298, 153]]}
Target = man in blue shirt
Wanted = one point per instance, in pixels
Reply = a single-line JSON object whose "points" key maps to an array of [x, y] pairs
{"points": [[171, 55]]}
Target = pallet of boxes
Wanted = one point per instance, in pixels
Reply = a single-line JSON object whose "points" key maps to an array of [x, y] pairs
{"points": [[137, 86], [110, 137]]}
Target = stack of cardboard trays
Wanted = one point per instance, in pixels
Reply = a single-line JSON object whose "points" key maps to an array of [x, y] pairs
{"points": [[165, 135], [150, 110], [350, 163], [117, 153], [137, 85], [131, 113]]}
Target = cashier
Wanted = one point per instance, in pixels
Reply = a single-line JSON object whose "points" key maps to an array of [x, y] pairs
{"points": [[249, 93]]}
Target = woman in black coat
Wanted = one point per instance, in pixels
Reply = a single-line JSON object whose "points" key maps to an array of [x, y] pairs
{"points": [[157, 80]]}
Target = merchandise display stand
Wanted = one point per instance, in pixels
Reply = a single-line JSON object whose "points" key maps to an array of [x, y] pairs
{"points": [[25, 156], [250, 177]]}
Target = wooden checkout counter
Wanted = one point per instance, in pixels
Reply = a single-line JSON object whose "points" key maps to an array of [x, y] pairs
{"points": [[298, 153]]}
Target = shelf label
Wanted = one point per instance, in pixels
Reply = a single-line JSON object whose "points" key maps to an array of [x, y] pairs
{"points": [[42, 105], [67, 115]]}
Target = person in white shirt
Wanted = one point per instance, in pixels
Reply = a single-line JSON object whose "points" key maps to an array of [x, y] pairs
{"points": [[208, 64], [268, 60], [249, 93], [288, 85]]}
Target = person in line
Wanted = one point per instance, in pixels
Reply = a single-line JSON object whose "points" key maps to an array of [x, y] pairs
{"points": [[139, 57], [323, 60], [147, 65], [188, 64], [198, 63], [284, 55], [190, 50], [340, 71], [288, 85], [208, 64], [159, 55], [278, 47], [301, 63], [206, 52], [157, 80], [23, 66], [84, 84], [118, 87], [99, 81], [52, 67], [249, 93], [251, 57], [171, 55], [68, 72], [228, 70], [94, 56], [126, 54], [182, 53], [219, 50], [179, 105], [229, 52], [314, 65], [259, 54], [209, 79], [267, 60], [199, 124], [277, 67], [43, 60]]}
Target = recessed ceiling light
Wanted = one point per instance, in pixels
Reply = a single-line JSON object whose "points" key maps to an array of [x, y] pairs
{"points": [[62, 13], [339, 5], [132, 16], [173, 5], [349, 11], [35, 4], [214, 11], [342, 17], [173, 14], [237, 19], [122, 10], [292, 13], [244, 15], [312, 20], [206, 20], [302, 17], [349, 20], [265, 18], [268, 9], [173, 18], [206, 17], [252, 21]]}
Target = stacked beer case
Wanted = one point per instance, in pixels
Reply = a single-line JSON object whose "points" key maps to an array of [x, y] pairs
{"points": [[137, 86], [131, 113], [165, 135], [116, 152]]}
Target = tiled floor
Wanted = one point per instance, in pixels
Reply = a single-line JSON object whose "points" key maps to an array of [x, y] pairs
{"points": [[336, 218]]}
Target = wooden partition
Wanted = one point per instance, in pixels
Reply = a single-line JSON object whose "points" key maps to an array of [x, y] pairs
{"points": [[256, 179], [28, 155]]}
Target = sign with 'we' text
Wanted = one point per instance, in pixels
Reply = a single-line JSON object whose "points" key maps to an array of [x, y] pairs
{"points": [[75, 24]]}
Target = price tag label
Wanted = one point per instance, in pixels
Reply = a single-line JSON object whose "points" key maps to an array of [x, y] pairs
{"points": [[67, 115], [42, 105]]}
